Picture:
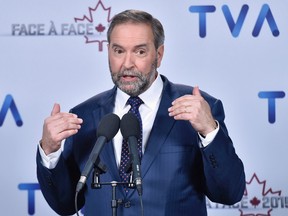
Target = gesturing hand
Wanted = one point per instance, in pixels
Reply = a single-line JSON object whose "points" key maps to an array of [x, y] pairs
{"points": [[57, 127], [196, 110]]}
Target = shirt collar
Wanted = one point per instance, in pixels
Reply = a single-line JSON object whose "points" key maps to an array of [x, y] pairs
{"points": [[150, 97]]}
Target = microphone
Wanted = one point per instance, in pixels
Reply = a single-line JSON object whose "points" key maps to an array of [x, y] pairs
{"points": [[107, 129], [130, 129]]}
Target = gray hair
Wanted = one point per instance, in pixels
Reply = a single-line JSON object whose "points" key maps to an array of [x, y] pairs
{"points": [[137, 16]]}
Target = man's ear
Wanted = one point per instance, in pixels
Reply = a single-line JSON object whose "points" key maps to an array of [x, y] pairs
{"points": [[160, 53]]}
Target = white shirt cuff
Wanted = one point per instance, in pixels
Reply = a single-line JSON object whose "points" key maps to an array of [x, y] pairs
{"points": [[209, 137], [50, 161]]}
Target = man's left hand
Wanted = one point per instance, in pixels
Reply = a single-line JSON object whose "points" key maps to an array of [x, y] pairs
{"points": [[196, 110]]}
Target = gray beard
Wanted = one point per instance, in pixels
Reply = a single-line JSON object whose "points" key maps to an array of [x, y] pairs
{"points": [[135, 87]]}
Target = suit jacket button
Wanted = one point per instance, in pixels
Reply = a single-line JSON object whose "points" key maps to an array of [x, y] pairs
{"points": [[49, 180], [127, 204]]}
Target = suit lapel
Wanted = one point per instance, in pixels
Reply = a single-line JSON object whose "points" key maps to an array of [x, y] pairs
{"points": [[161, 127], [107, 156], [160, 130]]}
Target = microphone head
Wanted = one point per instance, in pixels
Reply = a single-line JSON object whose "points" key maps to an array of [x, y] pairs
{"points": [[108, 126], [130, 126]]}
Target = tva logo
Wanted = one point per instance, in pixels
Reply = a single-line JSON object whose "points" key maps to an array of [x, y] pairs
{"points": [[235, 25], [31, 189], [271, 96], [9, 103]]}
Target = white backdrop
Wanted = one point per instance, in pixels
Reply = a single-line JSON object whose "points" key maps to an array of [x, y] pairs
{"points": [[44, 58]]}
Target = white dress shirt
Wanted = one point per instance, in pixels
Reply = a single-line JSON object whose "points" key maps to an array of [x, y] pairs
{"points": [[151, 98]]}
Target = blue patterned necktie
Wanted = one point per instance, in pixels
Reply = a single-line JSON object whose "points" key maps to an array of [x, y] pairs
{"points": [[135, 102]]}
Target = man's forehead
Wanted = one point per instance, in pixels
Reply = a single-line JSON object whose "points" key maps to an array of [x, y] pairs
{"points": [[132, 30]]}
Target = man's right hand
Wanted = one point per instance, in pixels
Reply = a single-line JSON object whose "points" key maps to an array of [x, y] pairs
{"points": [[58, 127]]}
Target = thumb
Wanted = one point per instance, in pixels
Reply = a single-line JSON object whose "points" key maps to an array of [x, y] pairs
{"points": [[56, 109], [196, 91]]}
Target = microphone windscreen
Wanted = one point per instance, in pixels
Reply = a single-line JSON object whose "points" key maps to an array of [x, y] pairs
{"points": [[130, 126], [108, 126]]}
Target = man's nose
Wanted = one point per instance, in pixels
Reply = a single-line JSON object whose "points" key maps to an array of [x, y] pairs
{"points": [[129, 61]]}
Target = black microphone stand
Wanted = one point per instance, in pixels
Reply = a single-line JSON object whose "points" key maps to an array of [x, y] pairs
{"points": [[99, 169]]}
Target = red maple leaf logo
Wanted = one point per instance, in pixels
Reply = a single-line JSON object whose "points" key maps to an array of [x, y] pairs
{"points": [[100, 28], [99, 16], [256, 195], [255, 202]]}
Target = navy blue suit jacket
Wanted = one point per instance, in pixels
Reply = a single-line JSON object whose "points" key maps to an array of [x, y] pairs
{"points": [[177, 174]]}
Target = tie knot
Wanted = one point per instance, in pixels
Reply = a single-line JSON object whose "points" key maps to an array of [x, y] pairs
{"points": [[135, 102]]}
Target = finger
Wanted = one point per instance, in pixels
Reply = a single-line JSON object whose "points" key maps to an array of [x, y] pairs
{"points": [[196, 91], [183, 100], [69, 124], [182, 110], [65, 134], [64, 123], [56, 109], [173, 111], [183, 113], [61, 116]]}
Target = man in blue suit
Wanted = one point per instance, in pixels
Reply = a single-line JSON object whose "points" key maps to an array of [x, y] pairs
{"points": [[187, 152]]}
